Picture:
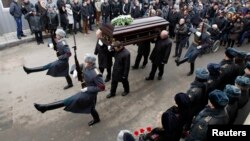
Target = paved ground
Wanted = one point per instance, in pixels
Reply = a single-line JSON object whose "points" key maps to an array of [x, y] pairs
{"points": [[19, 121]]}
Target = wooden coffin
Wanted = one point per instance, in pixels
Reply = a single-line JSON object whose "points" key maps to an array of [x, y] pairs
{"points": [[140, 30]]}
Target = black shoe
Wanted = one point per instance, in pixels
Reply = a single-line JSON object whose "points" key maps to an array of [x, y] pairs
{"points": [[38, 43], [92, 122], [177, 62], [134, 67], [42, 42], [107, 79], [189, 74], [40, 108], [159, 78], [26, 70], [68, 86], [174, 56], [149, 78], [143, 66], [125, 93], [110, 95], [23, 35], [19, 37]]}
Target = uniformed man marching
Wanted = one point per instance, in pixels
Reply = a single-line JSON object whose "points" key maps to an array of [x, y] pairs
{"points": [[60, 67], [84, 101]]}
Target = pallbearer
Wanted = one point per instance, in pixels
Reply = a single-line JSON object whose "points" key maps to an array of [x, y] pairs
{"points": [[60, 67], [84, 101]]}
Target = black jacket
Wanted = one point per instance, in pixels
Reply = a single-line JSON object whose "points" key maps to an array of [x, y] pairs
{"points": [[121, 65], [104, 55], [161, 51], [15, 10]]}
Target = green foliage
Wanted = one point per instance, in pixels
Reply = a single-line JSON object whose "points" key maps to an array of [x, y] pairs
{"points": [[122, 20]]}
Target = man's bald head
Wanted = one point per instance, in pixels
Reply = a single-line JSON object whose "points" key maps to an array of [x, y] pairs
{"points": [[164, 34], [98, 33]]}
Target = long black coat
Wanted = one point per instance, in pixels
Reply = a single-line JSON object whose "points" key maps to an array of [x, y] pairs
{"points": [[83, 102], [122, 65], [161, 51], [60, 67], [229, 72], [104, 55]]}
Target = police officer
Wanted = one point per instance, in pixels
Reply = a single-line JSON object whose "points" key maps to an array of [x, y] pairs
{"points": [[160, 55], [84, 101], [60, 67], [233, 94], [197, 92], [214, 79], [120, 69], [104, 55], [243, 83], [229, 70], [213, 114]]}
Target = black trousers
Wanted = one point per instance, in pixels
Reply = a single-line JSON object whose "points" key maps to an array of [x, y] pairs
{"points": [[38, 36], [114, 85], [138, 59], [108, 71], [154, 68]]}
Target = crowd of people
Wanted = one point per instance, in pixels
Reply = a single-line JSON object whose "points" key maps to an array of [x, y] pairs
{"points": [[216, 93]]}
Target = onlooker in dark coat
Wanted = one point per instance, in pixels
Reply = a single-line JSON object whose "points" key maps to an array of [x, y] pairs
{"points": [[136, 11], [85, 17], [91, 14], [26, 8], [160, 55], [36, 26], [105, 10], [115, 9], [104, 55], [234, 33], [174, 119], [16, 11], [120, 69], [173, 18], [213, 114], [181, 33], [233, 94], [126, 7], [143, 50], [41, 10], [76, 8]]}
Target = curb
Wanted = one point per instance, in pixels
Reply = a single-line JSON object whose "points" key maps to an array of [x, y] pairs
{"points": [[16, 42]]}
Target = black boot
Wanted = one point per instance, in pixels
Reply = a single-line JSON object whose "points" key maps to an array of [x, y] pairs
{"points": [[45, 107], [191, 69], [95, 116], [178, 62], [30, 70], [69, 81], [107, 78]]}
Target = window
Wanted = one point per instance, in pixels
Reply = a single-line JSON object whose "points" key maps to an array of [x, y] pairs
{"points": [[6, 3]]}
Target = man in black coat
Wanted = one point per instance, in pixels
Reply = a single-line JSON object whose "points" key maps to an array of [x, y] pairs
{"points": [[76, 8], [143, 50], [26, 8], [104, 56], [60, 67], [120, 69], [229, 70], [160, 55]]}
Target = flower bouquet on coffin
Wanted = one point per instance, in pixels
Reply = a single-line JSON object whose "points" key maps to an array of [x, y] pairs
{"points": [[122, 20]]}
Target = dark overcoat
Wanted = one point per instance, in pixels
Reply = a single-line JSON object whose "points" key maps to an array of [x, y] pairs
{"points": [[83, 102], [60, 67], [161, 51], [104, 55], [121, 65]]}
